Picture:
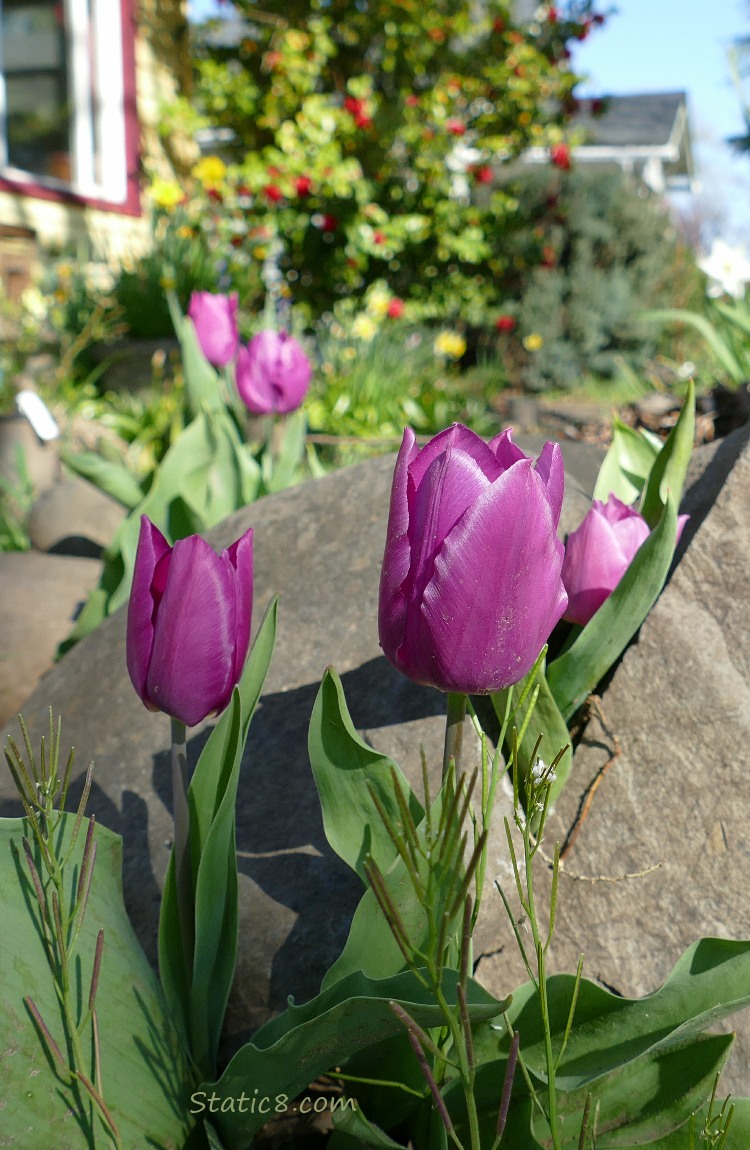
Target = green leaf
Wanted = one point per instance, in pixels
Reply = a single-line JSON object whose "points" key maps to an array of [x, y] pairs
{"points": [[113, 479], [145, 1074], [211, 797], [344, 768], [290, 1051], [719, 346], [627, 463], [201, 379], [738, 1137], [671, 464], [575, 673], [710, 981], [291, 453], [645, 1100], [353, 1130]]}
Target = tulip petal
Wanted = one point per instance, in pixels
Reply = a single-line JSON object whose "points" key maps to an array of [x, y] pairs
{"points": [[595, 562], [152, 548], [451, 484], [240, 558], [253, 385], [496, 592], [397, 555], [460, 438], [192, 662], [505, 450], [552, 470]]}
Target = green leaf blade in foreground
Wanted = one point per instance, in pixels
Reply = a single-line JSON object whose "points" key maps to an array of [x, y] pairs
{"points": [[289, 1052], [671, 464], [201, 380], [626, 465], [720, 348], [146, 1079], [575, 673], [114, 479], [345, 767], [546, 721]]}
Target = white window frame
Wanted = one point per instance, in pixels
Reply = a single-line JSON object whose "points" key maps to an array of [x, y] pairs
{"points": [[98, 130]]}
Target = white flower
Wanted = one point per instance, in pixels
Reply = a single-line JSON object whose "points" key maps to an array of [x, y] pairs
{"points": [[727, 268], [541, 772]]}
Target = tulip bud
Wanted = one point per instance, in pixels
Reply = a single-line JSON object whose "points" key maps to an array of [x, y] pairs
{"points": [[599, 552], [188, 622], [272, 373], [215, 320], [470, 587]]}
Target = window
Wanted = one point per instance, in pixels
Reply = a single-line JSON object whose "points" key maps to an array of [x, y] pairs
{"points": [[62, 96]]}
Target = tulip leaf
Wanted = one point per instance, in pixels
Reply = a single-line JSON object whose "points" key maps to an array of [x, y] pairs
{"points": [[145, 1073], [290, 1051], [345, 768], [211, 797], [710, 981], [547, 721], [114, 479], [575, 673], [201, 379], [645, 1100], [671, 464], [279, 472], [627, 463], [352, 1130]]}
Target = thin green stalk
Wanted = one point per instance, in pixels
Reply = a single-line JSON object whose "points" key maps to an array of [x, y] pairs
{"points": [[454, 725], [182, 862]]}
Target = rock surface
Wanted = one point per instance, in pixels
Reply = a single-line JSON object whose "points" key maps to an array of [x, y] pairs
{"points": [[39, 596], [74, 518], [321, 545]]}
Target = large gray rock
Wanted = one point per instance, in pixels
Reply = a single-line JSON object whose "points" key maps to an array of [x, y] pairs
{"points": [[74, 518], [39, 598], [320, 545]]}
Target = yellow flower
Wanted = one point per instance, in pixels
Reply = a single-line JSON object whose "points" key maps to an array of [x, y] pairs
{"points": [[348, 353], [450, 344], [166, 194], [364, 328], [533, 341], [211, 171], [379, 302]]}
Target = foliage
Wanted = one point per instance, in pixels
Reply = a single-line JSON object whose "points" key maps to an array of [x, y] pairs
{"points": [[593, 251], [365, 138], [16, 498]]}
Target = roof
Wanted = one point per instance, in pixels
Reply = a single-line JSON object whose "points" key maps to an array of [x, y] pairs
{"points": [[645, 120]]}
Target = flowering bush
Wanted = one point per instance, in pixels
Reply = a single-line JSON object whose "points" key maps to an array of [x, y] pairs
{"points": [[383, 171]]}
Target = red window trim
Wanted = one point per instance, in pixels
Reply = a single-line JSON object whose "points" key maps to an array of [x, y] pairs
{"points": [[131, 205]]}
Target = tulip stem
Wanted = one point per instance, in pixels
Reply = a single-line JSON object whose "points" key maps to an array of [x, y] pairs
{"points": [[454, 727], [182, 867]]}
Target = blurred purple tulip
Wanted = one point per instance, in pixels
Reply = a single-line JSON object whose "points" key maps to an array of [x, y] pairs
{"points": [[272, 373], [599, 552], [470, 588], [188, 622], [215, 320]]}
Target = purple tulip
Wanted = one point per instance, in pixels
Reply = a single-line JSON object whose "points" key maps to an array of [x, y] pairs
{"points": [[272, 373], [470, 588], [215, 320], [188, 622], [599, 552]]}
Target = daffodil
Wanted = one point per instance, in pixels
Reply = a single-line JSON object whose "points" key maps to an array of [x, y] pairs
{"points": [[450, 344], [210, 171], [533, 341], [364, 328], [727, 268], [166, 194]]}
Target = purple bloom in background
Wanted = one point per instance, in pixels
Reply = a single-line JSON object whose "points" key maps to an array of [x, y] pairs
{"points": [[599, 552], [188, 622], [272, 373], [470, 588], [215, 320]]}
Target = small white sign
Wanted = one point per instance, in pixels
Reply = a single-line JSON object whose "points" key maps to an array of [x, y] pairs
{"points": [[38, 415]]}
